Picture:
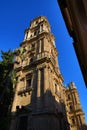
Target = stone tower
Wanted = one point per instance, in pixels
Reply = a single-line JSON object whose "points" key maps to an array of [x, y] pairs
{"points": [[41, 102], [75, 113], [38, 102]]}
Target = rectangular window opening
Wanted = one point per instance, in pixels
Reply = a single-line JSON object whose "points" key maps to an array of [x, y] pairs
{"points": [[28, 84]]}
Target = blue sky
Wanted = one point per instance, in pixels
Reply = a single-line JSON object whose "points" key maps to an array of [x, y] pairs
{"points": [[15, 16]]}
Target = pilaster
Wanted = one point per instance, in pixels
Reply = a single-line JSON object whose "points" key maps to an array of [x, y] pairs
{"points": [[39, 83]]}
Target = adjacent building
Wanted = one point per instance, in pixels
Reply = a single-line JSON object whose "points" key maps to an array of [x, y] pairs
{"points": [[75, 15], [74, 111], [41, 101]]}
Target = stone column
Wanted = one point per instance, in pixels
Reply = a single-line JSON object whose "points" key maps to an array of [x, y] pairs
{"points": [[38, 104], [42, 44], [77, 98], [39, 46], [34, 92], [49, 79], [13, 110], [32, 80], [74, 98], [46, 82], [47, 90], [39, 83]]}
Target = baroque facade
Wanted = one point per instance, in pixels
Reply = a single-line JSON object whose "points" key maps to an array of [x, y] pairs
{"points": [[74, 111], [41, 101]]}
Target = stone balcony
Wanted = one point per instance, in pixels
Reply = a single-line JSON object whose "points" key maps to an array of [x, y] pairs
{"points": [[43, 55], [46, 55], [38, 57], [76, 107], [25, 90]]}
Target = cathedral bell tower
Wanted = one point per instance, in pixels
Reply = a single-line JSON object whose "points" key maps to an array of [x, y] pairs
{"points": [[39, 93]]}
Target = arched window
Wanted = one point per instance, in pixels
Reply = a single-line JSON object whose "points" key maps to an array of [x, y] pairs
{"points": [[35, 33], [31, 35], [71, 108], [69, 97], [28, 83], [36, 22], [55, 88], [31, 60], [73, 121], [41, 27]]}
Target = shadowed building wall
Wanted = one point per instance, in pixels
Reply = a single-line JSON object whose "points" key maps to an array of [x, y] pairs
{"points": [[75, 15]]}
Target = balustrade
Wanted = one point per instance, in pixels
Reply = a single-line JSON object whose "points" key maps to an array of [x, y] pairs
{"points": [[23, 90]]}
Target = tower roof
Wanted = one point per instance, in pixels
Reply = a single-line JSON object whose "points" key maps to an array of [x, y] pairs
{"points": [[40, 17]]}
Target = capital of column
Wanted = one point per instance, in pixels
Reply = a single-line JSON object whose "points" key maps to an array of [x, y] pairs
{"points": [[41, 67]]}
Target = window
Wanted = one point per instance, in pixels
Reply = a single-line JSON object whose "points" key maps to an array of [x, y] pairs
{"points": [[36, 22], [17, 108], [73, 121], [68, 97], [41, 27], [28, 84], [31, 60], [71, 108], [26, 35], [35, 33], [23, 50], [33, 45], [31, 35], [55, 88]]}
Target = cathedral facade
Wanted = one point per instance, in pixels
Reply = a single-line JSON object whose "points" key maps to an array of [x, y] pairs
{"points": [[41, 101]]}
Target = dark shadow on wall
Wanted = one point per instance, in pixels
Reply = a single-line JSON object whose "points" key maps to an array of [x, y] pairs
{"points": [[43, 113], [83, 127]]}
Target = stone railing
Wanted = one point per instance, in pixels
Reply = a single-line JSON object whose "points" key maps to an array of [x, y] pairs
{"points": [[43, 55], [23, 90], [39, 56], [46, 55]]}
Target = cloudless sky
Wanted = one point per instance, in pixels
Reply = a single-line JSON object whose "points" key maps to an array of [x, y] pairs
{"points": [[15, 17]]}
